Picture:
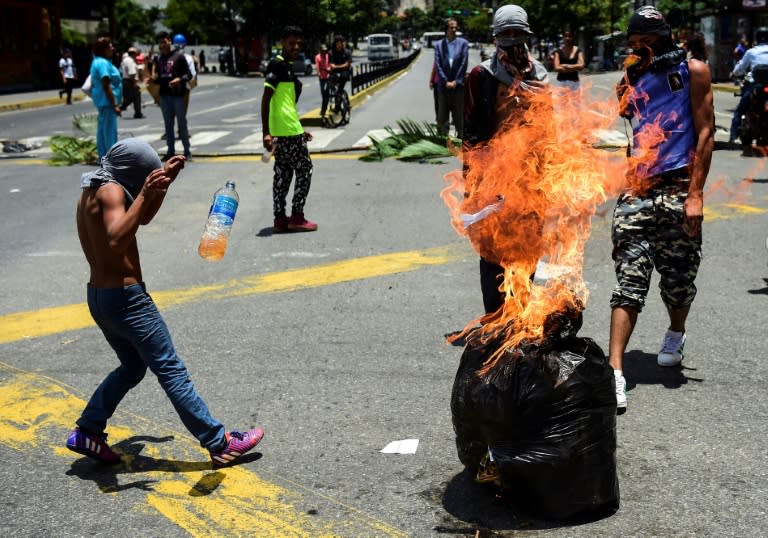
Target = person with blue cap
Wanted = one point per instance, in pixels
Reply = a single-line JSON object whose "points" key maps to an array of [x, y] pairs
{"points": [[171, 71], [125, 192]]}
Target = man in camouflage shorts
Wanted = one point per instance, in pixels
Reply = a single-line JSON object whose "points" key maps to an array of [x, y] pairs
{"points": [[657, 222]]}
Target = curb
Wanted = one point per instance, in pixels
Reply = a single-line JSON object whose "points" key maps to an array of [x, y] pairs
{"points": [[725, 87], [37, 103]]}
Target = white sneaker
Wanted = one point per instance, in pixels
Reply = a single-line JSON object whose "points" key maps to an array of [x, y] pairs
{"points": [[671, 353], [621, 392]]}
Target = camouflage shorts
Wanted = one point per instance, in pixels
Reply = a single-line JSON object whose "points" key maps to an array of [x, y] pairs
{"points": [[647, 232]]}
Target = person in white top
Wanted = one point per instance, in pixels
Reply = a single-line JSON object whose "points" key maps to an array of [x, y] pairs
{"points": [[179, 41], [68, 74], [131, 89]]}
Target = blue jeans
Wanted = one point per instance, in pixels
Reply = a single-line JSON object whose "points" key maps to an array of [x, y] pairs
{"points": [[106, 130], [134, 328], [741, 109], [173, 108]]}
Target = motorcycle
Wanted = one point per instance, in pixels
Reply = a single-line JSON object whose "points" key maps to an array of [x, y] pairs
{"points": [[754, 119]]}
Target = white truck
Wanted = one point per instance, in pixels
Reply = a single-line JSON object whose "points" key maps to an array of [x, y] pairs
{"points": [[382, 47]]}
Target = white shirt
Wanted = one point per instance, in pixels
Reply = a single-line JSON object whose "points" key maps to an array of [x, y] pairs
{"points": [[756, 56], [192, 70], [67, 66], [128, 67]]}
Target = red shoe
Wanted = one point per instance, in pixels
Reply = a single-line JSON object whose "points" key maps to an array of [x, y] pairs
{"points": [[281, 225], [238, 443], [297, 223], [92, 445]]}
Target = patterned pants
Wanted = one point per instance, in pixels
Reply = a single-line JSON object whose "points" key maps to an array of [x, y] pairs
{"points": [[291, 155], [647, 232]]}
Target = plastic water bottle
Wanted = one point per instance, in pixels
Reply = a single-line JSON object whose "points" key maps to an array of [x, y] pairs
{"points": [[213, 242]]}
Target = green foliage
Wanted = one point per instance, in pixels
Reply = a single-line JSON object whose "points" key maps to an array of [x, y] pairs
{"points": [[68, 150], [72, 37], [133, 24], [411, 142], [87, 123], [207, 21], [219, 21]]}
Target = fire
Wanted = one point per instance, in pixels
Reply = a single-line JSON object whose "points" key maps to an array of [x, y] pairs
{"points": [[529, 196]]}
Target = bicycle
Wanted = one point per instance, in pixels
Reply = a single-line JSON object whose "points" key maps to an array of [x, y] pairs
{"points": [[339, 110]]}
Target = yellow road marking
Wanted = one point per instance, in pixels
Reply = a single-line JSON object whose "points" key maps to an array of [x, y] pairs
{"points": [[744, 208], [214, 159], [36, 412], [729, 211], [57, 319]]}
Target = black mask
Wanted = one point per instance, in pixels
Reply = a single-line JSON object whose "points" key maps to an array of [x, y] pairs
{"points": [[515, 50]]}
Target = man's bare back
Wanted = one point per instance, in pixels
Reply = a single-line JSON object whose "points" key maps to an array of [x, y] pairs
{"points": [[107, 230]]}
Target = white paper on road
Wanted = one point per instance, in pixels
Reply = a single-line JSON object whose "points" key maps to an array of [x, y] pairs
{"points": [[404, 446]]}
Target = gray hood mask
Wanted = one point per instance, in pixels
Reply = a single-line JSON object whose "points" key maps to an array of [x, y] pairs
{"points": [[127, 163]]}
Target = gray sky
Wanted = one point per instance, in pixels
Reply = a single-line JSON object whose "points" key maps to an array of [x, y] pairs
{"points": [[152, 3]]}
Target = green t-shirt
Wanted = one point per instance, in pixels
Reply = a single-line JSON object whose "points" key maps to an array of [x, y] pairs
{"points": [[283, 115]]}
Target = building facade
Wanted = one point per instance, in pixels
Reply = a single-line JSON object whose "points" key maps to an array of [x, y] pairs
{"points": [[31, 39]]}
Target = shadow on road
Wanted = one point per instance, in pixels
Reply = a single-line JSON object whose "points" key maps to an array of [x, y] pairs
{"points": [[640, 368], [106, 476], [481, 510], [760, 291]]}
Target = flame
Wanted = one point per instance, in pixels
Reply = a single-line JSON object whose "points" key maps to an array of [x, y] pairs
{"points": [[529, 194]]}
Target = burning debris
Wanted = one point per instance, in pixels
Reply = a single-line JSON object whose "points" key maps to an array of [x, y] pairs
{"points": [[529, 194], [533, 404]]}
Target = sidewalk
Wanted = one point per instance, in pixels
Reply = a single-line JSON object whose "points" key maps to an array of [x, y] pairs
{"points": [[39, 99]]}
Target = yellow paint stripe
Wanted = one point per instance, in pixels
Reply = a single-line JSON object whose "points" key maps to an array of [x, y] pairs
{"points": [[728, 211], [53, 320], [23, 161], [36, 412], [744, 208]]}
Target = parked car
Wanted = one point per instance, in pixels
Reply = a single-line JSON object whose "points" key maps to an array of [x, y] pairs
{"points": [[301, 65]]}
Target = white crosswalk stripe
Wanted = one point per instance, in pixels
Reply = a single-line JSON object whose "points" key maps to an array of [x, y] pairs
{"points": [[243, 141], [206, 137], [321, 138], [378, 134]]}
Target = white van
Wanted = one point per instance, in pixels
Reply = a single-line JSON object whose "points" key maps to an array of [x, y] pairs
{"points": [[428, 39], [382, 47]]}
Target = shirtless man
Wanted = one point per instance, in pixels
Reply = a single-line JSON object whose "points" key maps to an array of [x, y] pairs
{"points": [[125, 192]]}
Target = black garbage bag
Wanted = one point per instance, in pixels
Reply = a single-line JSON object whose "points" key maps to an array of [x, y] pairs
{"points": [[541, 423]]}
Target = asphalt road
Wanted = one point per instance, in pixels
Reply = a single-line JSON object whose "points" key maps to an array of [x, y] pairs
{"points": [[333, 342]]}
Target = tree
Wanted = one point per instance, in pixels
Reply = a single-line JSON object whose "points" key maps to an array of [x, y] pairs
{"points": [[132, 24], [208, 20]]}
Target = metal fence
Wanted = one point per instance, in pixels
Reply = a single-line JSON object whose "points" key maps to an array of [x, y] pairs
{"points": [[369, 73]]}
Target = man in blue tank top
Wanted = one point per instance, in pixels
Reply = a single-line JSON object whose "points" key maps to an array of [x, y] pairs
{"points": [[657, 220]]}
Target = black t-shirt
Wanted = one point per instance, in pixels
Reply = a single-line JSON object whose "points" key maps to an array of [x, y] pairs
{"points": [[339, 57], [170, 66]]}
